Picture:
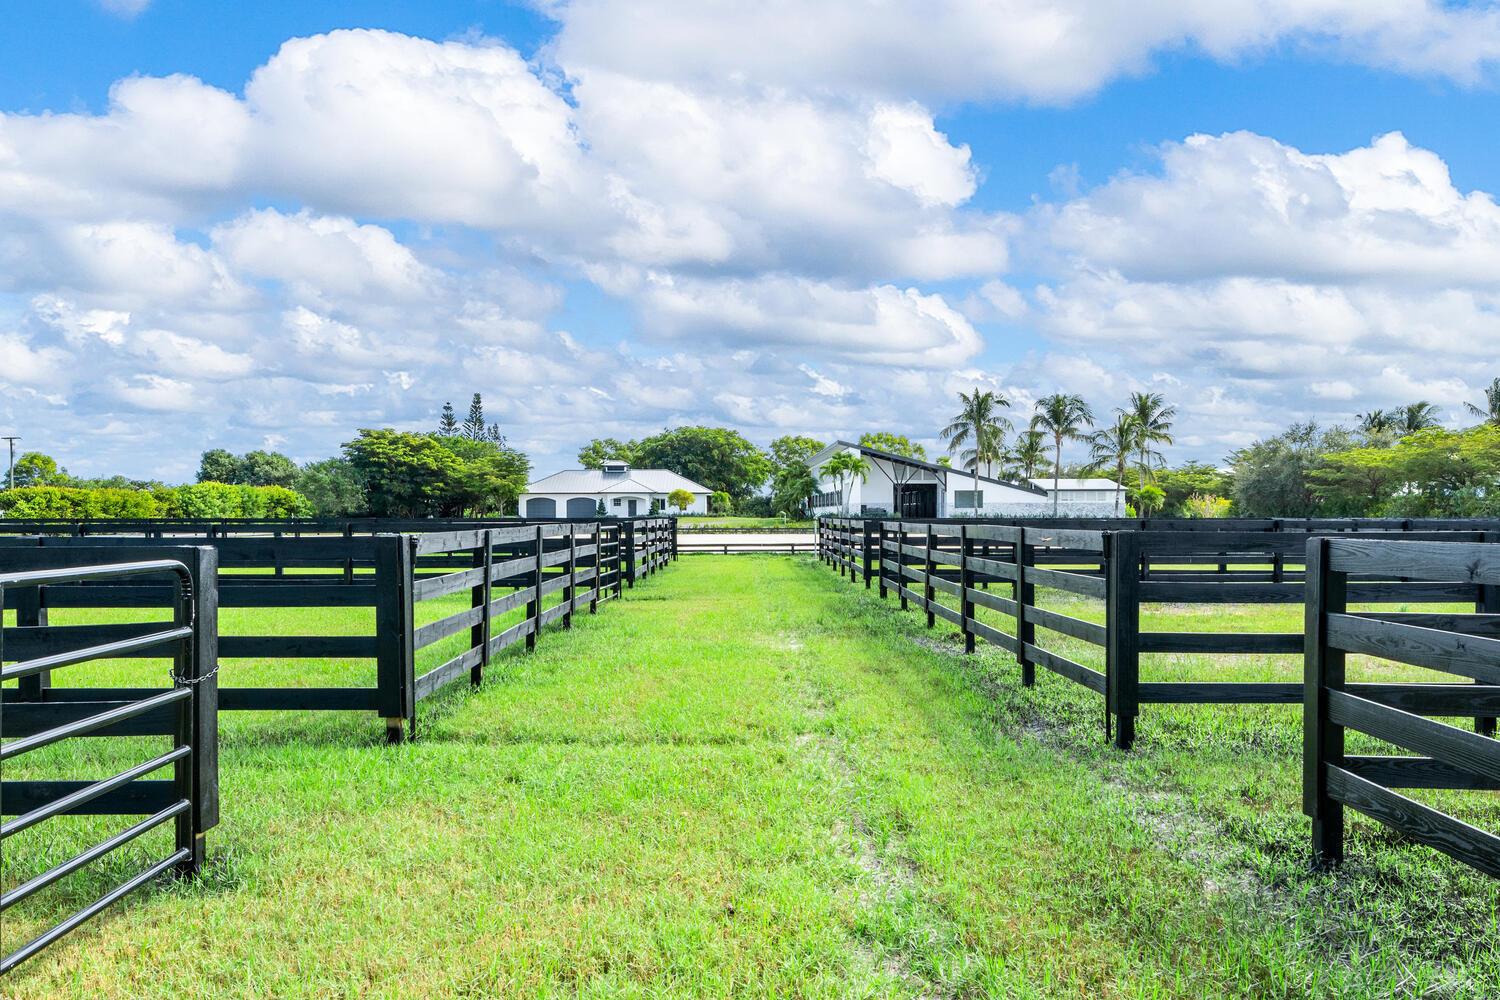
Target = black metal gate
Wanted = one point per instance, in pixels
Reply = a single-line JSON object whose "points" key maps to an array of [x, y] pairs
{"points": [[36, 715]]}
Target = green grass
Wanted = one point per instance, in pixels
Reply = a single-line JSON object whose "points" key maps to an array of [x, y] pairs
{"points": [[752, 778]]}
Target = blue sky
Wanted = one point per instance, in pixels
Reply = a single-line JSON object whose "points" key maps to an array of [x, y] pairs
{"points": [[250, 225]]}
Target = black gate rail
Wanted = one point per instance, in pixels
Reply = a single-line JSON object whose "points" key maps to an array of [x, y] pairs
{"points": [[1467, 645], [1197, 562], [270, 567], [187, 712]]}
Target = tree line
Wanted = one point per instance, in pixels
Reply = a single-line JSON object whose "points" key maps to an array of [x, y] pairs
{"points": [[458, 469]]}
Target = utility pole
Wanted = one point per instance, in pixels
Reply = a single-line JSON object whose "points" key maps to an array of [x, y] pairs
{"points": [[10, 476]]}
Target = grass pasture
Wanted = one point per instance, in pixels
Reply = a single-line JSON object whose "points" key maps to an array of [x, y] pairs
{"points": [[753, 778]]}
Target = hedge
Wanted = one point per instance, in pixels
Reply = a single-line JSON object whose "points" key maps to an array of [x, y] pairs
{"points": [[209, 500]]}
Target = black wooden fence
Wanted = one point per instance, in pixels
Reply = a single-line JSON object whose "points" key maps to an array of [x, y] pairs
{"points": [[1124, 568], [186, 712], [294, 568], [1467, 645]]}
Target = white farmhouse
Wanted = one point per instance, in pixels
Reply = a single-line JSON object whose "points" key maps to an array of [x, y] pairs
{"points": [[625, 492], [914, 488]]}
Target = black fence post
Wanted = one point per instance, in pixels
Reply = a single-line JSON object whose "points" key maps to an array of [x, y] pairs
{"points": [[1488, 602], [570, 588], [31, 609], [1025, 596], [598, 564], [867, 538], [534, 606], [394, 662], [1323, 671], [927, 590], [880, 567], [479, 634], [627, 549], [965, 582], [196, 666], [1122, 626]]}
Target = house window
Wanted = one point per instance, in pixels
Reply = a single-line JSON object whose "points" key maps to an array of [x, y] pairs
{"points": [[617, 502], [968, 499]]}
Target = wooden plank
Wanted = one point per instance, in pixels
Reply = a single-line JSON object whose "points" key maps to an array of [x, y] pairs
{"points": [[1416, 772], [994, 636], [27, 718], [437, 586], [1073, 583], [995, 601], [1455, 838], [1466, 562], [300, 699], [1222, 642], [441, 676], [1433, 699], [137, 798], [1484, 624], [1470, 751], [433, 632], [1219, 693], [1067, 625], [1081, 541], [1061, 665], [1471, 656], [285, 647]]}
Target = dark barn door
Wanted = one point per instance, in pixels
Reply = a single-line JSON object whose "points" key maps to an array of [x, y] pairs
{"points": [[917, 500], [541, 507], [582, 507]]}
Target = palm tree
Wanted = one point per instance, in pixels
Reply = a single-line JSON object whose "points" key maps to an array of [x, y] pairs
{"points": [[1375, 422], [1153, 425], [1490, 411], [843, 467], [989, 450], [978, 424], [1415, 417], [1113, 446], [1064, 416], [1029, 454]]}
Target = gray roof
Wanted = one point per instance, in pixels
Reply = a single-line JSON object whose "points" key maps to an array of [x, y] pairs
{"points": [[1095, 483], [634, 481]]}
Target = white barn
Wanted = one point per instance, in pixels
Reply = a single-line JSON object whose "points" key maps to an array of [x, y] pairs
{"points": [[914, 488], [625, 492]]}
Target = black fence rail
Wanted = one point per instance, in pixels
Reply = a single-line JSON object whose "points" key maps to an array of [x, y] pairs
{"points": [[1441, 756], [186, 712], [294, 567], [1202, 562]]}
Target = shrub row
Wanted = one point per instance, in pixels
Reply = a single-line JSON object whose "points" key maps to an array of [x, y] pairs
{"points": [[198, 500]]}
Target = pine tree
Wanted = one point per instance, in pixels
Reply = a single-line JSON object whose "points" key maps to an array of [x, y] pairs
{"points": [[474, 424], [448, 422], [493, 435]]}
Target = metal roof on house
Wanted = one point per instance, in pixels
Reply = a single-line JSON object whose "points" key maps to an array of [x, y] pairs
{"points": [[634, 481], [828, 452], [1096, 483]]}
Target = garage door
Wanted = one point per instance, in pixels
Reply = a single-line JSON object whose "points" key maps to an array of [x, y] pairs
{"points": [[582, 507], [541, 507]]}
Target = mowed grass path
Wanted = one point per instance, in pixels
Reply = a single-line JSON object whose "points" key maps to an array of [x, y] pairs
{"points": [[750, 778]]}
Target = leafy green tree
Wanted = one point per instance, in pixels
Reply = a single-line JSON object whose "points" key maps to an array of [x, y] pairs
{"points": [[845, 467], [404, 474], [721, 503], [1273, 477], [491, 479], [447, 421], [1429, 473], [594, 454], [1153, 425], [1490, 410], [716, 457], [218, 466], [333, 488], [1188, 479], [1063, 416], [34, 468], [1208, 505], [790, 449], [680, 498], [978, 426], [896, 444], [1148, 499], [267, 468]]}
